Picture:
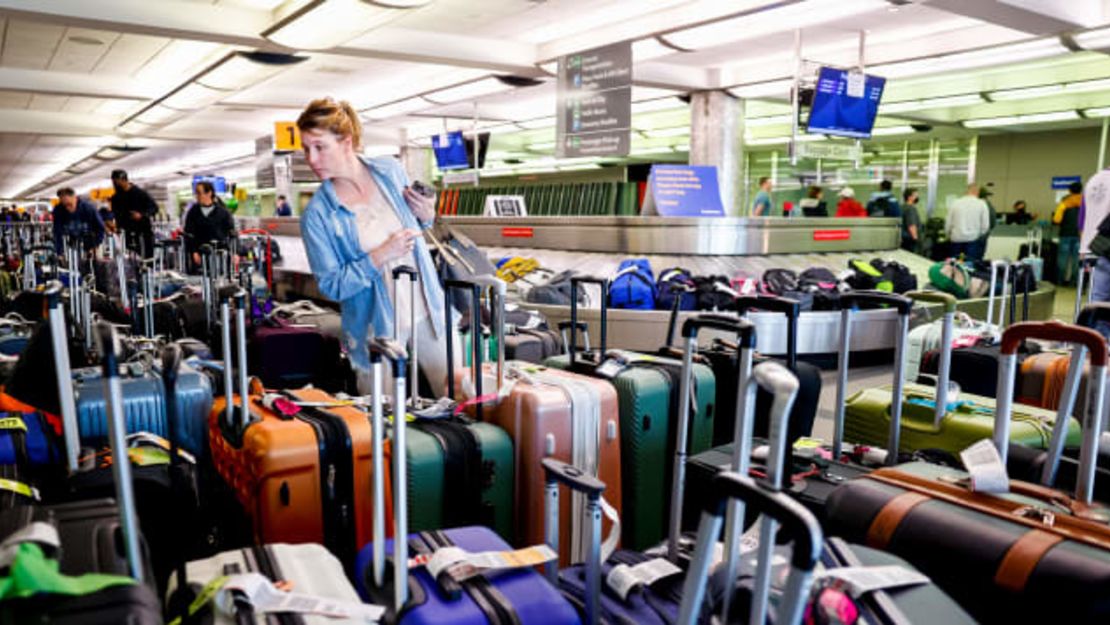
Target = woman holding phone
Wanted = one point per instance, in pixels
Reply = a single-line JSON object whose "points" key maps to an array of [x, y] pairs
{"points": [[363, 221]]}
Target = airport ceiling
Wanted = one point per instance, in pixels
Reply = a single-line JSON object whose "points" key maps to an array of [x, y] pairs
{"points": [[194, 82]]}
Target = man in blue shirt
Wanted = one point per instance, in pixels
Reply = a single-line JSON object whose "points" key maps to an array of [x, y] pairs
{"points": [[76, 217], [283, 209], [762, 205]]}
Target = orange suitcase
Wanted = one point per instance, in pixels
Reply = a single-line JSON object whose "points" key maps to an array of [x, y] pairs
{"points": [[302, 473], [554, 414]]}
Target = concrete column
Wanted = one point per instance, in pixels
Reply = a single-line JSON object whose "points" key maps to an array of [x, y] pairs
{"points": [[716, 135]]}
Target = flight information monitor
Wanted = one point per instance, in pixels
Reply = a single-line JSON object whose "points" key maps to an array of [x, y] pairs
{"points": [[450, 150], [845, 103]]}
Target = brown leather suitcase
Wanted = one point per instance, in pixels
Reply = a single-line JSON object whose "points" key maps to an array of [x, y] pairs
{"points": [[302, 473]]}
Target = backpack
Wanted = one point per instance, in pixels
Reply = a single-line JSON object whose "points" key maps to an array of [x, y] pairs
{"points": [[633, 286], [555, 291], [714, 293], [665, 290], [779, 281], [863, 276], [880, 207], [818, 279], [952, 277], [899, 275]]}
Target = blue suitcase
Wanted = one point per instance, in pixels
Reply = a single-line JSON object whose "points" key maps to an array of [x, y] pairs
{"points": [[518, 595], [27, 438]]}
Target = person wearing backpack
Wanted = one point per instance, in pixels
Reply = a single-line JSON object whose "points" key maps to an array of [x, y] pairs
{"points": [[1067, 217], [882, 203]]}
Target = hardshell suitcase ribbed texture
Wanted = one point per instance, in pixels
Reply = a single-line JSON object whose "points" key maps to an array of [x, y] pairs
{"points": [[963, 548], [308, 569], [301, 479], [522, 592], [867, 421], [647, 393]]}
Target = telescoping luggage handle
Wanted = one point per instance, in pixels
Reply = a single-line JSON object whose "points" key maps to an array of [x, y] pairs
{"points": [[998, 267], [944, 369], [872, 299], [783, 386], [773, 303], [799, 525], [497, 294], [1084, 277], [414, 279], [171, 362], [121, 463], [745, 338], [475, 337], [1083, 340], [388, 349], [62, 371], [574, 284], [555, 473], [240, 299]]}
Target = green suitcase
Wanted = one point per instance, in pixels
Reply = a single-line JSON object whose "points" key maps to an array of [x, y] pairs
{"points": [[647, 391]]}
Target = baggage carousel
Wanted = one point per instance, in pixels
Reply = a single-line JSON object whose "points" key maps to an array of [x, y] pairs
{"points": [[720, 246]]}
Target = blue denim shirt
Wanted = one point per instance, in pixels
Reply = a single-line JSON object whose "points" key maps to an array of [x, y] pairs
{"points": [[345, 273]]}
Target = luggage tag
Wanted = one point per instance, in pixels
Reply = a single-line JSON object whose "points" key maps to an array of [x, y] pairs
{"points": [[985, 466], [266, 598], [622, 579], [462, 565], [860, 580]]}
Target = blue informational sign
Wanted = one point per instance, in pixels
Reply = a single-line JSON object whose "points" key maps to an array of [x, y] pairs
{"points": [[450, 150], [219, 183], [1061, 183], [845, 103], [685, 191]]}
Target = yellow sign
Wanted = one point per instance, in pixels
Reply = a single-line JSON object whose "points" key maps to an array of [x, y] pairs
{"points": [[286, 137], [102, 194], [241, 194]]}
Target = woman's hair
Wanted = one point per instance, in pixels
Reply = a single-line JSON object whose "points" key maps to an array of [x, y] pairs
{"points": [[338, 118], [207, 187], [813, 192]]}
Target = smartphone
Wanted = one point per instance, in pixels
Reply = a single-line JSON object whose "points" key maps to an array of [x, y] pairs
{"points": [[423, 189]]}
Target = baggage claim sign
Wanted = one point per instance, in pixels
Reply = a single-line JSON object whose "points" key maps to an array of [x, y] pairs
{"points": [[594, 113]]}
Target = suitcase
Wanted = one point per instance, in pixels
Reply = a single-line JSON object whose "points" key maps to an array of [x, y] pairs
{"points": [[1033, 549], [648, 394], [929, 421], [515, 595], [27, 440], [548, 413], [301, 473], [284, 354], [307, 569], [308, 313]]}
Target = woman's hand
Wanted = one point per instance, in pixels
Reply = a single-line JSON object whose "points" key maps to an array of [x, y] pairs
{"points": [[422, 206], [398, 244]]}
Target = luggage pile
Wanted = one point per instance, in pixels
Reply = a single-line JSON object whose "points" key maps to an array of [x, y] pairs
{"points": [[210, 457]]}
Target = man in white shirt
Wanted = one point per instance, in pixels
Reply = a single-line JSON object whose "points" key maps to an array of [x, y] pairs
{"points": [[967, 224], [1095, 208]]}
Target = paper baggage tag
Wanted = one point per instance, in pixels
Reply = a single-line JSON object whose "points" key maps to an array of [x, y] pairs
{"points": [[988, 473], [266, 598], [623, 578], [860, 580], [610, 368], [533, 322], [461, 565]]}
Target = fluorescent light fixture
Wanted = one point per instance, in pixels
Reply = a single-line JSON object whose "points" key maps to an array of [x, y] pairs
{"points": [[888, 131], [134, 127], [158, 115], [682, 147], [784, 140], [538, 124], [771, 120], [1026, 93], [192, 97], [770, 21], [542, 146], [661, 104], [906, 106], [1102, 111], [662, 149], [579, 167], [770, 89], [244, 69], [467, 91], [1093, 39], [663, 133], [323, 24], [973, 59], [400, 107], [1016, 120]]}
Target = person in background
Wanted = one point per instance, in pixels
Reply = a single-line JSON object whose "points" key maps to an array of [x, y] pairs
{"points": [[361, 223], [134, 210], [967, 224], [849, 206], [206, 221], [1092, 213], [76, 217], [107, 218], [911, 222], [282, 209], [882, 202], [762, 206], [1067, 218], [1021, 215], [813, 204]]}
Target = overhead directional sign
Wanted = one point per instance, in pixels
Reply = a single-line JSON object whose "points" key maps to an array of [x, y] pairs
{"points": [[287, 138], [594, 113]]}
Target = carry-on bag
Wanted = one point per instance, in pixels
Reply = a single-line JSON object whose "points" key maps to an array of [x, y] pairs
{"points": [[301, 472], [649, 395], [435, 592], [1018, 552], [930, 420]]}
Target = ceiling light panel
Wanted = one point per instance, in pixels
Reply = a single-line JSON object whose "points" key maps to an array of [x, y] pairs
{"points": [[1103, 111], [773, 120], [969, 99], [158, 115], [1040, 91], [1017, 120], [401, 107], [467, 91], [888, 131], [973, 59], [771, 21], [323, 24], [239, 70], [192, 97], [1094, 39]]}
